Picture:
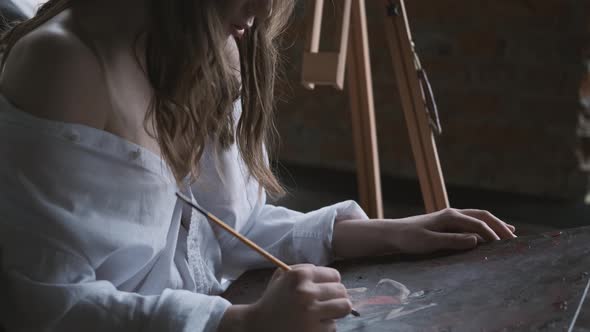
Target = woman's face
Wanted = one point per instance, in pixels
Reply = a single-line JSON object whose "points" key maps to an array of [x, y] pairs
{"points": [[239, 15]]}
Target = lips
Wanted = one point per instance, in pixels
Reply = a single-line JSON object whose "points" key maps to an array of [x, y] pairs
{"points": [[238, 27], [238, 31]]}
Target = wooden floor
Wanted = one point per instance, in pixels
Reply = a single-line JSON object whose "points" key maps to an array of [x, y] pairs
{"points": [[311, 188]]}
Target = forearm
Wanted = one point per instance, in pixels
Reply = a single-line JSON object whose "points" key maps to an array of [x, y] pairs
{"points": [[361, 238]]}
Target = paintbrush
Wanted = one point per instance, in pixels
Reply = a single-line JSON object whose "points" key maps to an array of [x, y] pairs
{"points": [[573, 323], [242, 238]]}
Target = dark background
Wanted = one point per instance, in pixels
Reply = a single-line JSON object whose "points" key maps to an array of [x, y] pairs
{"points": [[507, 77]]}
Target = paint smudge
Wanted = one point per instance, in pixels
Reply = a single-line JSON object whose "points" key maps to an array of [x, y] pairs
{"points": [[417, 295], [388, 300], [360, 290], [560, 304], [386, 292], [554, 236], [392, 288], [521, 247], [378, 300], [397, 313]]}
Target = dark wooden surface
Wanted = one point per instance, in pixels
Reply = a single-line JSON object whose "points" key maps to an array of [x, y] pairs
{"points": [[531, 283]]}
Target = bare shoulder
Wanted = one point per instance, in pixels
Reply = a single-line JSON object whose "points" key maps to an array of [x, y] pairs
{"points": [[51, 73]]}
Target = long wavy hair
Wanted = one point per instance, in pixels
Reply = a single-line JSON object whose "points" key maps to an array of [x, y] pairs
{"points": [[194, 84]]}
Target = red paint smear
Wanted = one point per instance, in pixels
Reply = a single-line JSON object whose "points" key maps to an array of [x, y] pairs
{"points": [[378, 300], [559, 304], [521, 247]]}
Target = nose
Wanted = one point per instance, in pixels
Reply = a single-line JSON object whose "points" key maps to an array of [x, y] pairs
{"points": [[260, 8]]}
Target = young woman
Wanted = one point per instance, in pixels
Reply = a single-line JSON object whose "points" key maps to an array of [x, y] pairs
{"points": [[109, 107]]}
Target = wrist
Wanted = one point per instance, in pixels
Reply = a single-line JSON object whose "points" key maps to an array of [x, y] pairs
{"points": [[358, 238], [237, 318], [388, 235]]}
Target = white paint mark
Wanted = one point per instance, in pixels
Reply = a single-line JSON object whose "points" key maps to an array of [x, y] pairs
{"points": [[417, 294], [388, 287], [356, 290], [398, 312]]}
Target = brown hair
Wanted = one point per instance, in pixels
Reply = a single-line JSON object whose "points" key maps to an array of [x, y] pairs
{"points": [[194, 86]]}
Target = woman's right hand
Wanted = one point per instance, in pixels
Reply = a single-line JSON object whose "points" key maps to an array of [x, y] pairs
{"points": [[307, 298]]}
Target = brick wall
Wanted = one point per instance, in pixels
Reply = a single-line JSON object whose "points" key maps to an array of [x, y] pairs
{"points": [[584, 120], [506, 75]]}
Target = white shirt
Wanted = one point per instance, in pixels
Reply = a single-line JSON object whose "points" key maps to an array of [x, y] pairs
{"points": [[92, 238], [28, 7]]}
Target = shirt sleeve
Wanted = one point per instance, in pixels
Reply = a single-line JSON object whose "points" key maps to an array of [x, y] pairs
{"points": [[291, 236], [54, 290]]}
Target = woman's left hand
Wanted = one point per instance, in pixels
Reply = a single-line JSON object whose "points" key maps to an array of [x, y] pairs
{"points": [[447, 229]]}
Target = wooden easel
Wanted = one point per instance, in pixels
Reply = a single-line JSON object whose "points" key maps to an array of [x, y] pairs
{"points": [[328, 68]]}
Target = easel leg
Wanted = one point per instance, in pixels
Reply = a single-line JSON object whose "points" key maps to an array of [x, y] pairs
{"points": [[421, 136], [363, 113]]}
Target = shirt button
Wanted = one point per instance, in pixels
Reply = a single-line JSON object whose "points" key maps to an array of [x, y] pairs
{"points": [[134, 154], [72, 136]]}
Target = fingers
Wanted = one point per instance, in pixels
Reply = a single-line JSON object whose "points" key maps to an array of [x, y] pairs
{"points": [[462, 223], [319, 289], [326, 274], [454, 241], [303, 272], [316, 273], [333, 309], [306, 298], [332, 290], [318, 283], [499, 227], [277, 274]]}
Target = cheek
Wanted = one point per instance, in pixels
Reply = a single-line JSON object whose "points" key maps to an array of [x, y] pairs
{"points": [[233, 55], [267, 7]]}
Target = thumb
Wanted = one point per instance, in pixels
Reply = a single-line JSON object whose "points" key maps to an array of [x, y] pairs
{"points": [[278, 273], [455, 241]]}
